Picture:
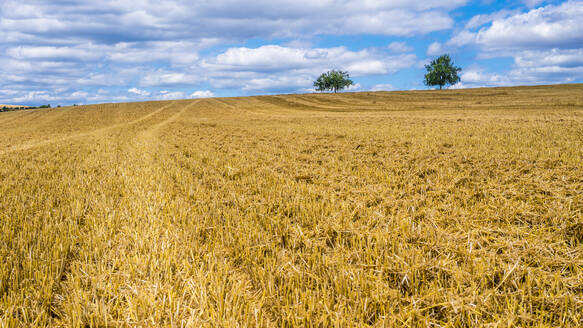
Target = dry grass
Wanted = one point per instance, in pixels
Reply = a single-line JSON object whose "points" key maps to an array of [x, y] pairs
{"points": [[416, 209]]}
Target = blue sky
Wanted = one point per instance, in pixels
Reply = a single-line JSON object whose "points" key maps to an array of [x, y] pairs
{"points": [[68, 51]]}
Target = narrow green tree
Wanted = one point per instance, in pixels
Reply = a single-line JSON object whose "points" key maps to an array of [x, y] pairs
{"points": [[321, 83], [442, 71], [333, 80]]}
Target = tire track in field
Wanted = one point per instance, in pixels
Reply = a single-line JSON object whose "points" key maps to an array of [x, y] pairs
{"points": [[146, 140], [140, 157], [82, 134], [140, 175], [171, 119], [143, 169]]}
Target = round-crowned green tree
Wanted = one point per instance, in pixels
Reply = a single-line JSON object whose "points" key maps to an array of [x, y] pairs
{"points": [[333, 80], [441, 72]]}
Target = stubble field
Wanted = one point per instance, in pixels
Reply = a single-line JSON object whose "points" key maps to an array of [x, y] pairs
{"points": [[415, 209]]}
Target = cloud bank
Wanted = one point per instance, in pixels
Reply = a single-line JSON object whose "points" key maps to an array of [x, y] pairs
{"points": [[72, 51], [545, 43]]}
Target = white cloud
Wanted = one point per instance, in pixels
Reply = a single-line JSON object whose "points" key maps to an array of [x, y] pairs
{"points": [[139, 92], [385, 22], [79, 94], [382, 87], [273, 58], [51, 53], [298, 44], [43, 97], [481, 78], [462, 38], [202, 94], [176, 52], [272, 83], [435, 49], [399, 47], [459, 85], [532, 3], [170, 95], [482, 19], [262, 58], [354, 88], [532, 67], [168, 78], [568, 58], [542, 28]]}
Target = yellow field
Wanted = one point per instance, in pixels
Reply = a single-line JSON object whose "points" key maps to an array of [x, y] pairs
{"points": [[428, 209]]}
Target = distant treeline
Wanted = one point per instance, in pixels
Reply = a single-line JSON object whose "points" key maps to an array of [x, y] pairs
{"points": [[12, 108]]}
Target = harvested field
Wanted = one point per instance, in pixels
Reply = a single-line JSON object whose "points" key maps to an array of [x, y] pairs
{"points": [[428, 208]]}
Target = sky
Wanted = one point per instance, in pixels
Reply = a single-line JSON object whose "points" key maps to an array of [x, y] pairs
{"points": [[64, 52]]}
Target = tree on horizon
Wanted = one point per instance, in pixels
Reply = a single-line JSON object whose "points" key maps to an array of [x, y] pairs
{"points": [[333, 80], [442, 71]]}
